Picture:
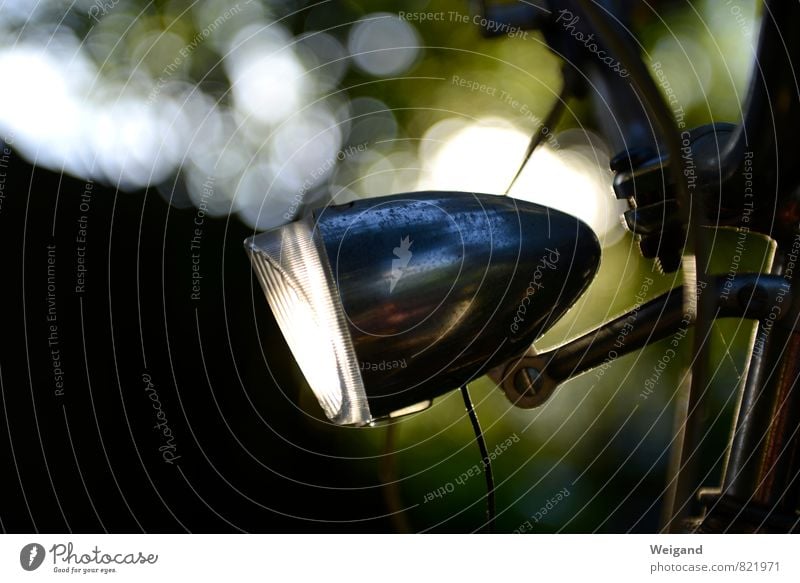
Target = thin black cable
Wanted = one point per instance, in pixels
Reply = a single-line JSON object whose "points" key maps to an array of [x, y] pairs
{"points": [[487, 463], [547, 128]]}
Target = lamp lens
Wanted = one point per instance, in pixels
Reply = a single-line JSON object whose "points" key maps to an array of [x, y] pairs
{"points": [[295, 275], [308, 340]]}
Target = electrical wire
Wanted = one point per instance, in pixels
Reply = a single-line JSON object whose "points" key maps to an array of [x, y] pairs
{"points": [[487, 463], [547, 127]]}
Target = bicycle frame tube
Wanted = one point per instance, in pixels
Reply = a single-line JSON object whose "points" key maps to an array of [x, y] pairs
{"points": [[763, 460], [764, 454]]}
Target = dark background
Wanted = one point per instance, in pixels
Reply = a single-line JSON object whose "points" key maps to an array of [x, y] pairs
{"points": [[88, 461]]}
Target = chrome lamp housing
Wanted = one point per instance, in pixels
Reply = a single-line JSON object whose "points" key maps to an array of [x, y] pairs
{"points": [[389, 302]]}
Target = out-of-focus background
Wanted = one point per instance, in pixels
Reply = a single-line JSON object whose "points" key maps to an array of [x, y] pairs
{"points": [[143, 141]]}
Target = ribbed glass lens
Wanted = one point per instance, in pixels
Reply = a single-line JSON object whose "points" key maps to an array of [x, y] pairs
{"points": [[308, 340], [295, 276]]}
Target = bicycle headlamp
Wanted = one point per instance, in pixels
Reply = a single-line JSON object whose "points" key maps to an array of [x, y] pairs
{"points": [[389, 302]]}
